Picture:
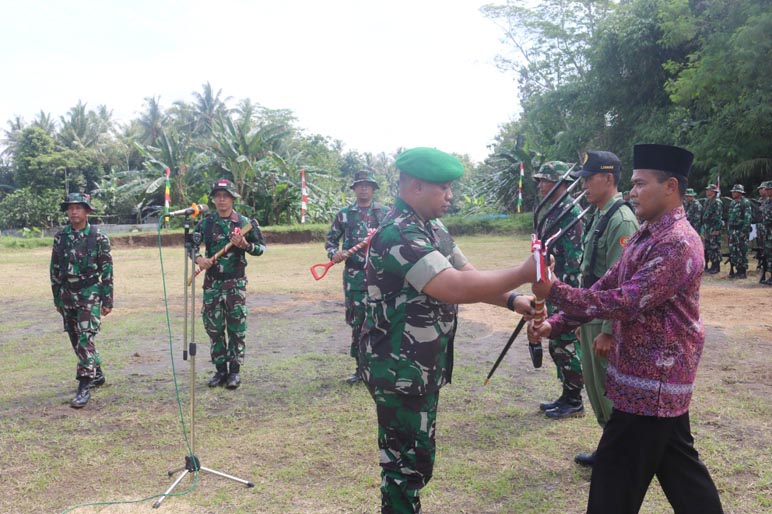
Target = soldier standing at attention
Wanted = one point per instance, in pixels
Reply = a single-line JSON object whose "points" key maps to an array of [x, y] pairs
{"points": [[565, 351], [352, 224], [738, 228], [653, 295], [82, 283], [605, 237], [416, 276], [712, 221], [224, 306], [693, 209], [765, 231]]}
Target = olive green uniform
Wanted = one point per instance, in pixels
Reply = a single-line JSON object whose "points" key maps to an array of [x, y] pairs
{"points": [[611, 243]]}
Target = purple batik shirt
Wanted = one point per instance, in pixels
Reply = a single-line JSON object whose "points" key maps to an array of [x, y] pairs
{"points": [[653, 295]]}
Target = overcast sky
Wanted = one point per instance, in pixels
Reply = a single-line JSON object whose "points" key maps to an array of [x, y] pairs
{"points": [[377, 75]]}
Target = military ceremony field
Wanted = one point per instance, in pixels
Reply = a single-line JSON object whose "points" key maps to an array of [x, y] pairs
{"points": [[303, 436]]}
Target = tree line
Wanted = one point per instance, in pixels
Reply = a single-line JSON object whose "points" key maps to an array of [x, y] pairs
{"points": [[604, 75], [592, 74]]}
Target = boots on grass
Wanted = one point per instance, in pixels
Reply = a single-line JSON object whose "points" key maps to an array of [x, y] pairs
{"points": [[355, 378], [545, 406], [84, 393], [234, 380], [220, 376], [571, 407]]}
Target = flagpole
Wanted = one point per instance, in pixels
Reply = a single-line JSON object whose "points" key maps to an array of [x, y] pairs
{"points": [[303, 196]]}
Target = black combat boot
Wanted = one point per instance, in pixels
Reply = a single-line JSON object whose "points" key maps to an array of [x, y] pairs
{"points": [[84, 393], [99, 378], [234, 380], [740, 273], [545, 406], [356, 377], [220, 376], [572, 407], [715, 268], [585, 459]]}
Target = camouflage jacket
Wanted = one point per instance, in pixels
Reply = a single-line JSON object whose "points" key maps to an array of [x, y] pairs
{"points": [[352, 223], [740, 216], [712, 216], [407, 338], [81, 268], [694, 214], [568, 250], [215, 233], [766, 215]]}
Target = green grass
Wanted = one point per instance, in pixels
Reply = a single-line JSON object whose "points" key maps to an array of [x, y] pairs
{"points": [[305, 438]]}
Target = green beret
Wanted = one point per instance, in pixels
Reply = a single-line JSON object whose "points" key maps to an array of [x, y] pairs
{"points": [[430, 165]]}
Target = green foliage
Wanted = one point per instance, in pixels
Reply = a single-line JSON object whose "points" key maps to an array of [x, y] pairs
{"points": [[611, 75], [27, 208], [26, 242], [489, 225]]}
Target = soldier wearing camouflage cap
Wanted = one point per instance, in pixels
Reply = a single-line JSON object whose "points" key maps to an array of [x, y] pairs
{"points": [[693, 209], [416, 276], [711, 223], [765, 231], [564, 350], [224, 310], [352, 224], [81, 273], [738, 229]]}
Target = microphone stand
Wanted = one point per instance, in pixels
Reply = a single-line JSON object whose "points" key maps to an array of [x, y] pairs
{"points": [[192, 463]]}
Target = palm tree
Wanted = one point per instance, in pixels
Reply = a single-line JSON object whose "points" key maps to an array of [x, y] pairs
{"points": [[208, 108]]}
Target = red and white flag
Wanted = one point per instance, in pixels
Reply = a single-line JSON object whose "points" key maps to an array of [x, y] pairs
{"points": [[303, 196]]}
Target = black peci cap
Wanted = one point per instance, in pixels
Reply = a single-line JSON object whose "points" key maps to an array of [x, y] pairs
{"points": [[672, 159]]}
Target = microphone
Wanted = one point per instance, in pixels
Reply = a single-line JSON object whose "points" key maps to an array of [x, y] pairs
{"points": [[194, 210]]}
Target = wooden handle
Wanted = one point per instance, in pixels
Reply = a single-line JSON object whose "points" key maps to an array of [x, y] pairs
{"points": [[222, 251]]}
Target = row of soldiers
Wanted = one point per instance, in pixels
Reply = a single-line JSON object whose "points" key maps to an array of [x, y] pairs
{"points": [[708, 220]]}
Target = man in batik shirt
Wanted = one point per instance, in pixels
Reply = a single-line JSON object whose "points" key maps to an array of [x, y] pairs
{"points": [[653, 295]]}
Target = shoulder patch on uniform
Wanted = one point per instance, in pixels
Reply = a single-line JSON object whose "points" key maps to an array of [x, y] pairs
{"points": [[623, 241]]}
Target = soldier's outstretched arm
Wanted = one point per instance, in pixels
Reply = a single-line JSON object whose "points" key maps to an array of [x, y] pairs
{"points": [[471, 286]]}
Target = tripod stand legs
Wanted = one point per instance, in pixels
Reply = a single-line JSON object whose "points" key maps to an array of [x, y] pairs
{"points": [[191, 464]]}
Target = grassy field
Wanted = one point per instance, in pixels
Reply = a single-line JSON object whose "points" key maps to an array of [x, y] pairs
{"points": [[303, 436]]}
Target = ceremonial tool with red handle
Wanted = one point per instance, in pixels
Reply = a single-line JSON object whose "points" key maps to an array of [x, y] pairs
{"points": [[542, 252], [320, 270], [243, 231]]}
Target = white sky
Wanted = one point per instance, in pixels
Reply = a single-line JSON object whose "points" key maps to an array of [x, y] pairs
{"points": [[375, 74]]}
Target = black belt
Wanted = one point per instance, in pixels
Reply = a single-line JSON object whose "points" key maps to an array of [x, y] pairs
{"points": [[217, 275], [80, 284]]}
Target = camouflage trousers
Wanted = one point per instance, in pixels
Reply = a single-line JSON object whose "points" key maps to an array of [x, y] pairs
{"points": [[82, 325], [406, 425], [355, 317], [712, 249], [738, 249], [225, 310], [567, 354]]}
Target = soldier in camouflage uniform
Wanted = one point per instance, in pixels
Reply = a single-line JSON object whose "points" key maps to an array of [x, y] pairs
{"points": [[565, 351], [415, 277], [352, 224], [82, 284], [738, 228], [712, 222], [693, 209], [765, 231], [224, 306]]}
